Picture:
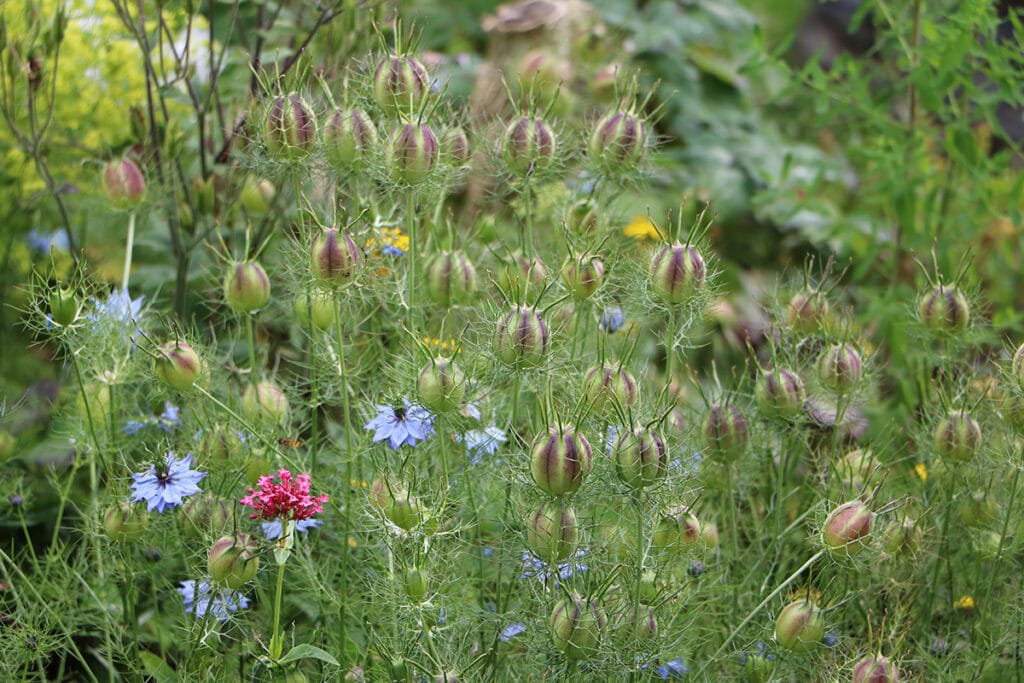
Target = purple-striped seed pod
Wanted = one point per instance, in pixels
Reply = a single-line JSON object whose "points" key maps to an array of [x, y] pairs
{"points": [[246, 287], [288, 129], [455, 143], [875, 669], [608, 386], [334, 258], [522, 337], [944, 309], [641, 458], [677, 271], [582, 217], [124, 183], [521, 276], [618, 142], [645, 622], [451, 278], [677, 529], [806, 311], [800, 626], [552, 531], [847, 528], [400, 84], [233, 560], [125, 521], [559, 460], [442, 385], [412, 153], [958, 438], [781, 393], [347, 138], [177, 365], [840, 367], [582, 274], [576, 627], [529, 146], [726, 432]]}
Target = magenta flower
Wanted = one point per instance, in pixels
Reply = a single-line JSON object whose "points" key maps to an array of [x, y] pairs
{"points": [[286, 500]]}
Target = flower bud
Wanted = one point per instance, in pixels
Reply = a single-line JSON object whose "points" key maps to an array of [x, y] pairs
{"points": [[442, 385], [944, 309], [582, 217], [958, 437], [781, 393], [875, 669], [847, 528], [124, 183], [232, 560], [288, 129], [677, 529], [177, 365], [455, 143], [400, 84], [529, 146], [521, 338], [416, 584], [246, 287], [451, 278], [725, 431], [125, 522], [677, 271], [552, 532], [903, 537], [806, 311], [559, 460], [256, 195], [334, 258], [204, 514], [521, 276], [265, 403], [641, 458], [582, 275], [840, 367], [576, 627], [800, 626], [64, 306], [856, 468], [618, 142], [318, 308], [609, 387], [348, 138], [412, 153]]}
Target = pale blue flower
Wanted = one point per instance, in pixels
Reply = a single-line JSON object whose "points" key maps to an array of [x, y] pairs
{"points": [[56, 241], [166, 488], [612, 319], [406, 425], [534, 566], [167, 420], [511, 631], [273, 529], [480, 442], [200, 598], [673, 669], [118, 312]]}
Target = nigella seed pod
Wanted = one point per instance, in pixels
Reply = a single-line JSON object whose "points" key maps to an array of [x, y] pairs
{"points": [[529, 146], [607, 387], [257, 195], [1017, 366], [840, 367], [677, 272], [875, 669], [847, 528], [944, 309], [455, 143], [618, 142], [677, 529], [246, 287], [582, 217], [522, 337], [521, 276], [404, 511], [576, 627], [412, 153], [442, 385], [559, 460], [903, 537], [781, 393], [334, 258], [800, 626], [451, 278], [645, 622], [958, 437], [64, 306], [416, 584], [806, 311], [400, 84], [219, 443], [318, 308], [582, 275], [552, 531], [204, 514], [125, 522], [233, 560], [288, 129], [725, 431], [265, 403], [348, 138], [177, 365], [641, 458], [124, 183], [856, 468]]}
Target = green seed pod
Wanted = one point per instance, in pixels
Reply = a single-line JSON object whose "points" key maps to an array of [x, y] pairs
{"points": [[645, 622], [246, 287], [958, 438], [848, 528], [257, 195], [348, 138], [405, 511], [412, 153], [944, 309], [618, 142], [204, 514], [177, 365], [677, 272], [288, 129], [529, 146], [124, 183], [455, 143], [677, 529], [64, 306], [800, 626], [607, 387], [781, 393], [582, 217], [320, 308], [903, 537], [856, 468], [806, 311], [552, 532], [219, 443], [125, 522], [400, 85], [232, 560], [725, 432], [265, 403], [334, 258], [840, 367], [576, 627], [416, 584], [875, 669], [522, 276], [641, 458], [559, 460], [442, 385], [521, 339], [582, 275], [451, 278]]}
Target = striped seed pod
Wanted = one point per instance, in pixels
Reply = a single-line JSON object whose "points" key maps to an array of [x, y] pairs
{"points": [[348, 138], [677, 271], [400, 84], [451, 278], [246, 287], [944, 309], [522, 337], [958, 437], [334, 258], [840, 367], [288, 129], [412, 153], [576, 627], [582, 275], [618, 142], [641, 458], [608, 386], [552, 531], [781, 393], [726, 432], [678, 528], [529, 147], [559, 460]]}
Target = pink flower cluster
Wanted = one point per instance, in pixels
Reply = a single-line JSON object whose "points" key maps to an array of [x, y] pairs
{"points": [[287, 500]]}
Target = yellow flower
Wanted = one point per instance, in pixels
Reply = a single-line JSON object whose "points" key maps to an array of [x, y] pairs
{"points": [[352, 542], [965, 602], [922, 471], [392, 242], [808, 593], [435, 344], [641, 228]]}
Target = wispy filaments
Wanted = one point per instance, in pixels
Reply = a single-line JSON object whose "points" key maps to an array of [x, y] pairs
{"points": [[166, 486], [200, 598], [118, 312], [533, 566], [166, 421], [407, 424], [480, 442]]}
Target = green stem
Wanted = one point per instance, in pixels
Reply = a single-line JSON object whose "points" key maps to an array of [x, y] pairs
{"points": [[129, 245], [349, 450], [277, 640], [250, 334], [314, 388], [410, 217]]}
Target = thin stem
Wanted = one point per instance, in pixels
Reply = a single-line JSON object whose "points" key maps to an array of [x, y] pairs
{"points": [[349, 451], [277, 640], [129, 245], [410, 216], [253, 372]]}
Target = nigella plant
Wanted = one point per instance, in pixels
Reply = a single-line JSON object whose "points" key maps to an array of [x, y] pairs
{"points": [[200, 598], [119, 312], [163, 486], [407, 424], [165, 421], [481, 442]]}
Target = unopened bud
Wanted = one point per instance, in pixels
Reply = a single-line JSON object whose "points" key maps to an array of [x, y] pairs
{"points": [[641, 458], [521, 338], [412, 153], [204, 514], [840, 367], [677, 529], [529, 146], [288, 129], [232, 560], [806, 311], [124, 183], [944, 308], [178, 365], [334, 258], [559, 460], [618, 142], [400, 84], [246, 287], [677, 272]]}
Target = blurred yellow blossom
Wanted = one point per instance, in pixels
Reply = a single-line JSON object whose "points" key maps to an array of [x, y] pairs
{"points": [[965, 602], [921, 470], [641, 228]]}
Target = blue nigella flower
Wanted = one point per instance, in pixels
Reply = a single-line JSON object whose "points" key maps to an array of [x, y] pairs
{"points": [[534, 566], [674, 669], [408, 424], [201, 598], [480, 442], [56, 240], [165, 488], [612, 319], [511, 631], [831, 639], [119, 311], [167, 420], [272, 530]]}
